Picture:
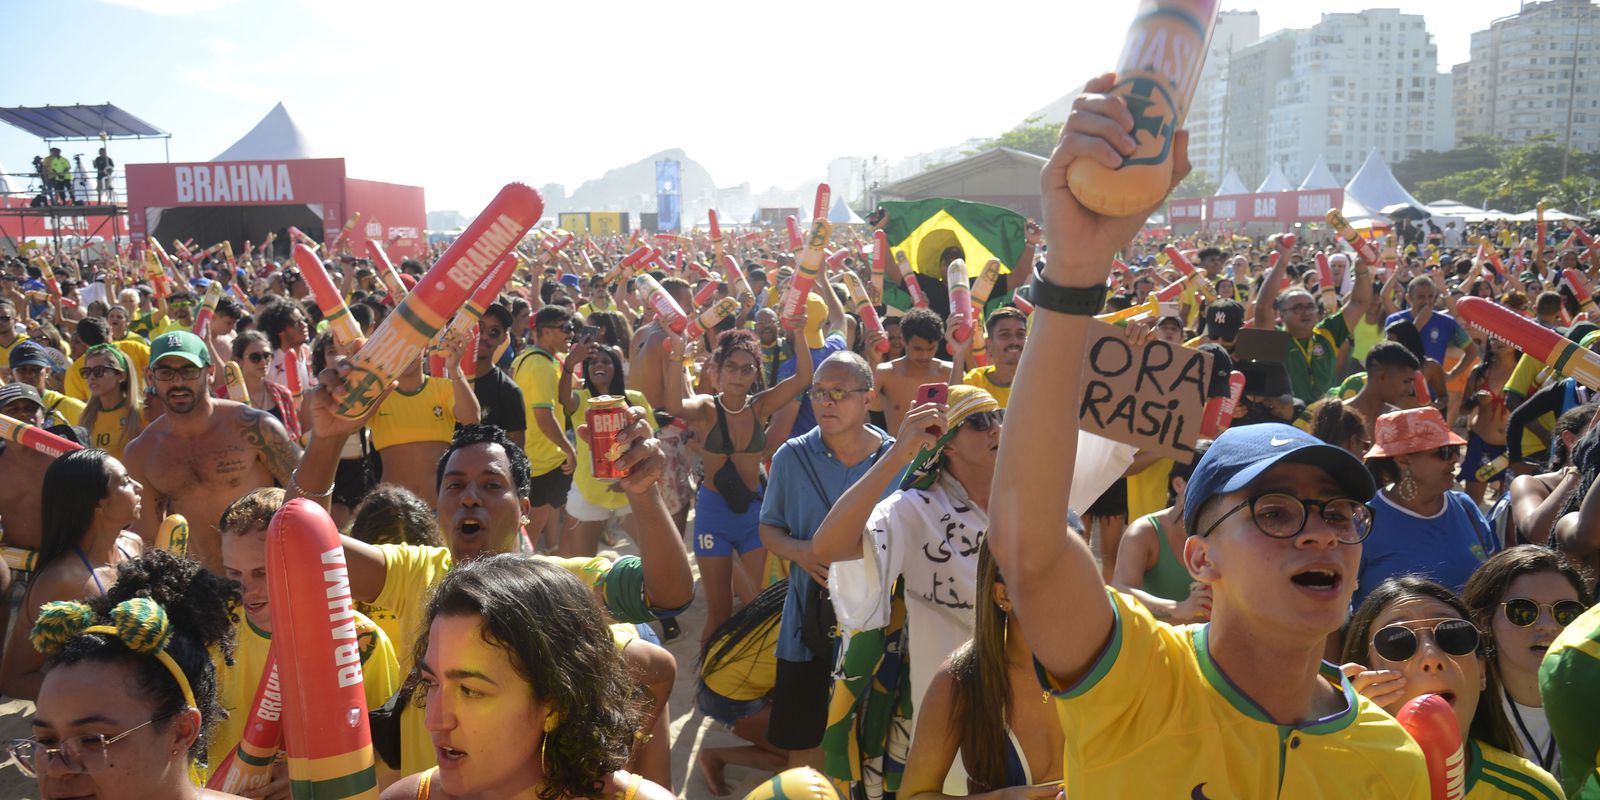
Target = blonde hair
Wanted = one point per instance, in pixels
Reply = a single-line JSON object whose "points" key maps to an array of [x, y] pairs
{"points": [[132, 393]]}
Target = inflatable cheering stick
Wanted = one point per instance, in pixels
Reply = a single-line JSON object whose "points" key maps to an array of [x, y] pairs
{"points": [[983, 285], [249, 766], [980, 343], [1157, 73], [708, 319], [705, 294], [1219, 410], [1022, 303], [626, 267], [386, 271], [1580, 290], [35, 438], [18, 559], [325, 731], [1149, 308], [233, 377], [919, 298], [734, 275], [868, 314], [208, 308], [1178, 260], [796, 241], [1580, 234], [880, 259], [1493, 468], [349, 225], [1538, 231], [1561, 354], [668, 312], [291, 372], [1365, 249], [463, 326], [1330, 293], [1432, 723], [809, 264], [955, 278], [173, 535], [1419, 387], [419, 316], [329, 300]]}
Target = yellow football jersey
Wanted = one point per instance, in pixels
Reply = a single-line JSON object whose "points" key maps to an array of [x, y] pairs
{"points": [[1156, 717], [1495, 774]]}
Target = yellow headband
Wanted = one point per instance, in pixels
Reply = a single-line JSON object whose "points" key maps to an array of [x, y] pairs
{"points": [[140, 624]]}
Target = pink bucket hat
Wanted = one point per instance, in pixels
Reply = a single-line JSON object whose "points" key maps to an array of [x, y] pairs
{"points": [[1413, 430]]}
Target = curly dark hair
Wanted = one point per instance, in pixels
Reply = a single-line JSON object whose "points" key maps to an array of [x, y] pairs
{"points": [[202, 609], [734, 341], [274, 318], [923, 324], [557, 638], [468, 435], [391, 514]]}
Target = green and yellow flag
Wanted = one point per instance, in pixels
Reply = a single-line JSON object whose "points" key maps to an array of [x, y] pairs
{"points": [[924, 229]]}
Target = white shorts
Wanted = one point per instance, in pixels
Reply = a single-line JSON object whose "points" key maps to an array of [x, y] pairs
{"points": [[580, 509]]}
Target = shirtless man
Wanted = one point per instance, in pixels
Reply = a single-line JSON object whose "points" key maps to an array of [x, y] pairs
{"points": [[24, 468], [1391, 383], [647, 366], [203, 452], [898, 379]]}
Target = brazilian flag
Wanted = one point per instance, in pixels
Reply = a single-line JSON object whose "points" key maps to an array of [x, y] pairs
{"points": [[925, 229]]}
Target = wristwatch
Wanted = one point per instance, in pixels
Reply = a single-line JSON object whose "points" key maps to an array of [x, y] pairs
{"points": [[1082, 301]]}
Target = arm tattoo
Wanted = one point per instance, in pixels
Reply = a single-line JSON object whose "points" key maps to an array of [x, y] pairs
{"points": [[263, 432]]}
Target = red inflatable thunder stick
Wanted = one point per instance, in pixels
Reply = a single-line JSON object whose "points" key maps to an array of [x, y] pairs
{"points": [[1419, 386], [1157, 74], [809, 263], [880, 259], [705, 294], [1580, 290], [625, 268], [796, 241], [325, 732], [1219, 410], [329, 300], [1330, 293], [984, 285], [463, 326], [35, 438], [249, 766], [716, 227], [919, 298], [386, 271], [734, 275], [1538, 231], [291, 371], [297, 235], [1432, 723], [668, 312], [868, 314], [1023, 304], [1540, 343], [1580, 234], [349, 225], [1177, 259], [404, 333], [955, 278]]}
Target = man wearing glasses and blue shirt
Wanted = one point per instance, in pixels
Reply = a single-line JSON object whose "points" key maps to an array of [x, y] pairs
{"points": [[1241, 706], [203, 452], [809, 474]]}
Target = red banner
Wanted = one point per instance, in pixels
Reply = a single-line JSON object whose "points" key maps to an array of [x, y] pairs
{"points": [[1281, 208]]}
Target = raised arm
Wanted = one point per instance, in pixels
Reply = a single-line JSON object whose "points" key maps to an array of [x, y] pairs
{"points": [[789, 389], [839, 536], [467, 410], [1267, 301], [1578, 534], [1360, 298], [1047, 568]]}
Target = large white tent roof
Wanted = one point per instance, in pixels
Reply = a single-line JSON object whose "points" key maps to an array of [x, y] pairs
{"points": [[1375, 186], [1275, 181], [1320, 177], [841, 214], [1232, 185], [275, 137]]}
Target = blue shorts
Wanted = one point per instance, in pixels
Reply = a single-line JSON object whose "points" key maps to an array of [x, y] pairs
{"points": [[728, 712], [720, 532], [1479, 453]]}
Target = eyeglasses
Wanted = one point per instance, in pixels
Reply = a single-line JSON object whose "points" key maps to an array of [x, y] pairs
{"points": [[984, 421], [739, 369], [1283, 516], [833, 395], [1397, 643], [1449, 452], [86, 753], [7, 318], [1523, 613], [95, 372], [257, 357], [188, 373]]}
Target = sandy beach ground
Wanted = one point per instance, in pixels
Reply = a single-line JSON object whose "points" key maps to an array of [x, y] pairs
{"points": [[690, 729]]}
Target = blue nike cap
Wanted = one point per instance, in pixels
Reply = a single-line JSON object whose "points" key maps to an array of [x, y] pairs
{"points": [[1240, 455]]}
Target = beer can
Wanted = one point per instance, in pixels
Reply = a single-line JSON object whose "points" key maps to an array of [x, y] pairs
{"points": [[607, 415]]}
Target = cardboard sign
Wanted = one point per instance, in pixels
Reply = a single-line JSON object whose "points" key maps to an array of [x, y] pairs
{"points": [[1152, 397]]}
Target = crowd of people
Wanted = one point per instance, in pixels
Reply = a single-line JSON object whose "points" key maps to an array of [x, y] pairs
{"points": [[903, 586]]}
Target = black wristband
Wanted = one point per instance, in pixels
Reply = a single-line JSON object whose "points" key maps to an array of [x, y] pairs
{"points": [[1080, 301]]}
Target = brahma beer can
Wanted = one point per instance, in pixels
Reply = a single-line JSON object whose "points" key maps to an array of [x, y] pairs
{"points": [[607, 415]]}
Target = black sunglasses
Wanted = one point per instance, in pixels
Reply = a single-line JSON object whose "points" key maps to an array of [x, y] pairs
{"points": [[983, 421], [1397, 643], [257, 358], [1522, 612]]}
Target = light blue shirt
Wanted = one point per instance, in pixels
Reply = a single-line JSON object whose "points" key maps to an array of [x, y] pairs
{"points": [[804, 483]]}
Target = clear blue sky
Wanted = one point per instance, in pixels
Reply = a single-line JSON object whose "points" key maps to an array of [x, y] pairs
{"points": [[463, 96]]}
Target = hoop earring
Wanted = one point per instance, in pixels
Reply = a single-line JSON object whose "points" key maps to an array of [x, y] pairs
{"points": [[1407, 487], [551, 720]]}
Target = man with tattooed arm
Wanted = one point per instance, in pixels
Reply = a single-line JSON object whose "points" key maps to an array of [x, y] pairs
{"points": [[204, 452]]}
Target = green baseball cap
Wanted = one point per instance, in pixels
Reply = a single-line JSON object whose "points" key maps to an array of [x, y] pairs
{"points": [[182, 344]]}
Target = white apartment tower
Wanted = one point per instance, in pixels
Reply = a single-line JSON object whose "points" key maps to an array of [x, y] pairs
{"points": [[1208, 112], [1521, 76], [1358, 82]]}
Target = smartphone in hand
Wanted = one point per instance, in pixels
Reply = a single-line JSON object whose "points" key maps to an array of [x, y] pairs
{"points": [[932, 394]]}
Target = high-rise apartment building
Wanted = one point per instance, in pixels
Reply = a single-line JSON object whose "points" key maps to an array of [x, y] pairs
{"points": [[1535, 73]]}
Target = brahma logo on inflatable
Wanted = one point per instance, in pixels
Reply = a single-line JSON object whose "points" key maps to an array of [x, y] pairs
{"points": [[234, 183]]}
